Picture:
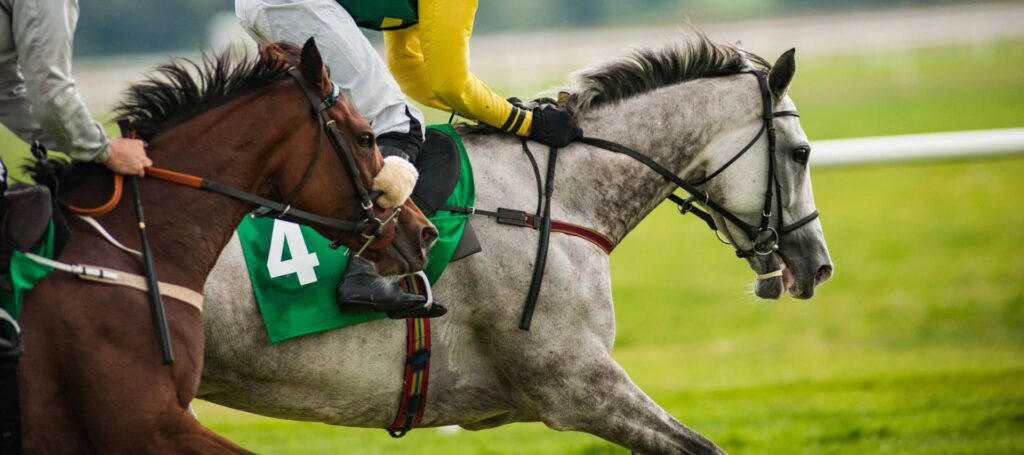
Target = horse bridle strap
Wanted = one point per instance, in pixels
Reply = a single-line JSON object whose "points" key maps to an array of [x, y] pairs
{"points": [[203, 184], [755, 234], [370, 221], [282, 209]]}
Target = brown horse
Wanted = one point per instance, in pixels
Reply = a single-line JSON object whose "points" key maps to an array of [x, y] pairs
{"points": [[91, 376]]}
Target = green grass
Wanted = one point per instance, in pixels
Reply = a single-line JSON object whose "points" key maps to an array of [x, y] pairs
{"points": [[915, 346]]}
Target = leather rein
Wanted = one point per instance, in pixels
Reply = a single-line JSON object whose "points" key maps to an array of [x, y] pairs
{"points": [[370, 227], [764, 237]]}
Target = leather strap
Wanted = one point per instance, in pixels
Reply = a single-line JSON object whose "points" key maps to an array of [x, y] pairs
{"points": [[119, 278], [530, 220], [541, 261], [107, 206], [417, 372]]}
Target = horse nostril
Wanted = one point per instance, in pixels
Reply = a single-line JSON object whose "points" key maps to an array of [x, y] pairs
{"points": [[428, 234], [824, 273]]}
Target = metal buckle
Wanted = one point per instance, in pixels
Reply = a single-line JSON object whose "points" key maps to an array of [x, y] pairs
{"points": [[381, 225], [771, 248]]}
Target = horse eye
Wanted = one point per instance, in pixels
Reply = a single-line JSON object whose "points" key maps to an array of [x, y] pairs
{"points": [[366, 140], [801, 154]]}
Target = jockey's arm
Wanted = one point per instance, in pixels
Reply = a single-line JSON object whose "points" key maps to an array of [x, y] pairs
{"points": [[445, 29], [405, 60], [43, 31]]}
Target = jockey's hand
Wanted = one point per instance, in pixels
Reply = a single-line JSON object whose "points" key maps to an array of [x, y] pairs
{"points": [[554, 127], [128, 156]]}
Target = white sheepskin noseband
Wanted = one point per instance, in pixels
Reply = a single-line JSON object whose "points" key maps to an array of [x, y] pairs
{"points": [[396, 180]]}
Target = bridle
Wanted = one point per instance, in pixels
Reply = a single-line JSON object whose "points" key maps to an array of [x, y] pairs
{"points": [[766, 235], [374, 228], [376, 232]]}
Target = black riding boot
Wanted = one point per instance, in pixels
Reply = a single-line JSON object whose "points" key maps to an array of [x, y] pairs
{"points": [[362, 290], [405, 145]]}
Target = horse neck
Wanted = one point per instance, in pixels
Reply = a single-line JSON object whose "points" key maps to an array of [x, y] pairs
{"points": [[233, 145], [672, 125]]}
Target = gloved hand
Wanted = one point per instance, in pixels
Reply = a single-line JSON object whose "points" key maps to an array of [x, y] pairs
{"points": [[554, 127]]}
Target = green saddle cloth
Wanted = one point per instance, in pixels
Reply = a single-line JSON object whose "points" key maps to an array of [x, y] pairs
{"points": [[24, 274], [294, 273]]}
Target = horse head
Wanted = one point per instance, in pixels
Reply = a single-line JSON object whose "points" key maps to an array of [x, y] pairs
{"points": [[401, 244], [778, 230]]}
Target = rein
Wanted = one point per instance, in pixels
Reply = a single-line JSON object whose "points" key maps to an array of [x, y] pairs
{"points": [[764, 236], [698, 196], [374, 230], [200, 183]]}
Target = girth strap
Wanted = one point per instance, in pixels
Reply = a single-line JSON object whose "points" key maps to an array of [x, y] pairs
{"points": [[413, 402]]}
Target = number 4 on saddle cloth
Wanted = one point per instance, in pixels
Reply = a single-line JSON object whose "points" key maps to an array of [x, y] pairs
{"points": [[294, 272]]}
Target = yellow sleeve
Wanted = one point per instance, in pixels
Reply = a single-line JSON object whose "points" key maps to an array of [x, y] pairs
{"points": [[405, 60], [444, 31]]}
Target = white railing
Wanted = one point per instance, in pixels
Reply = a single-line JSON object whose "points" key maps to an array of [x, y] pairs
{"points": [[910, 147]]}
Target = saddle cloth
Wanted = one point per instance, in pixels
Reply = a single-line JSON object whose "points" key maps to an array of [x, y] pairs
{"points": [[31, 222], [294, 273]]}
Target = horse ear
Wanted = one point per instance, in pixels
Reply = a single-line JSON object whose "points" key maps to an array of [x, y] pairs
{"points": [[312, 65], [782, 73]]}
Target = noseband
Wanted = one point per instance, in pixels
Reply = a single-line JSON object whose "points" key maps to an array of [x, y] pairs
{"points": [[764, 236]]}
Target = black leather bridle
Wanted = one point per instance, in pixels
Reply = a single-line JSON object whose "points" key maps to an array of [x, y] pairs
{"points": [[764, 236], [371, 227]]}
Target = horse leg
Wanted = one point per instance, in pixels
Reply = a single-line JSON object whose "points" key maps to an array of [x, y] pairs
{"points": [[95, 382], [589, 392], [563, 367]]}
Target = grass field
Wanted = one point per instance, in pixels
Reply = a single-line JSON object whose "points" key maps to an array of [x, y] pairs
{"points": [[915, 346]]}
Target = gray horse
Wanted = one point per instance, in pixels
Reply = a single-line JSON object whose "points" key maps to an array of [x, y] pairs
{"points": [[689, 106]]}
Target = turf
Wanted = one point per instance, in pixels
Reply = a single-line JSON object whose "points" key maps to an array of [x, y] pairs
{"points": [[915, 346]]}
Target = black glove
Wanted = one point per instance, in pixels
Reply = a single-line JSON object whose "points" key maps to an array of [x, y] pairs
{"points": [[554, 127]]}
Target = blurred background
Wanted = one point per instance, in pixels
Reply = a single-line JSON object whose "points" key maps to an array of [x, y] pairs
{"points": [[915, 346]]}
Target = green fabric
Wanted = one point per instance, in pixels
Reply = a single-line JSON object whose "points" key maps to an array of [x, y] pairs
{"points": [[292, 309], [24, 274], [382, 14]]}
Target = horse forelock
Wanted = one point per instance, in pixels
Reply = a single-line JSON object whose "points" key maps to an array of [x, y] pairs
{"points": [[696, 56]]}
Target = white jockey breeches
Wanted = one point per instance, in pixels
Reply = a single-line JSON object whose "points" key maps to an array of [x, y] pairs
{"points": [[355, 65]]}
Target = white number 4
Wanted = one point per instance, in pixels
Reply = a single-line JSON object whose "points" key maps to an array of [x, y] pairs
{"points": [[302, 262]]}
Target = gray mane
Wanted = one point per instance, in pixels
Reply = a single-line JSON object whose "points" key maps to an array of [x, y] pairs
{"points": [[695, 56], [644, 70]]}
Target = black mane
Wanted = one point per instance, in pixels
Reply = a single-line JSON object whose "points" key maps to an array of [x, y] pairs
{"points": [[181, 89], [172, 93]]}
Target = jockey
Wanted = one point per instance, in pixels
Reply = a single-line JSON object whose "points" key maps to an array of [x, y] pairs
{"points": [[430, 60], [428, 50], [38, 97]]}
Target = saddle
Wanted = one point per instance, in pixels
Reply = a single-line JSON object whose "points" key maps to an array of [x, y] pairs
{"points": [[440, 166], [27, 212]]}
